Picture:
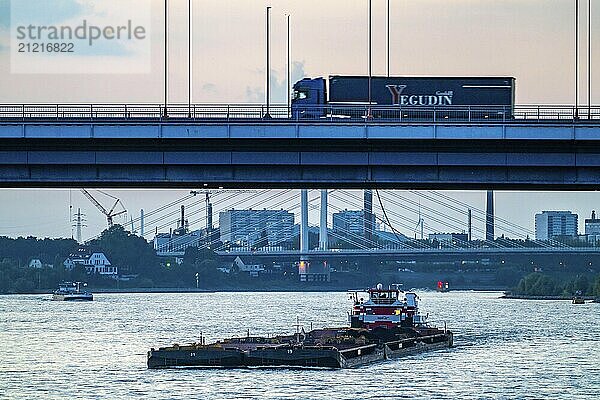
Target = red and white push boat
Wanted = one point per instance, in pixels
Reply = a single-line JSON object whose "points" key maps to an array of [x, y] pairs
{"points": [[386, 308]]}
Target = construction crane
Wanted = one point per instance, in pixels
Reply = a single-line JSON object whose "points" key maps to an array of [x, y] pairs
{"points": [[110, 214]]}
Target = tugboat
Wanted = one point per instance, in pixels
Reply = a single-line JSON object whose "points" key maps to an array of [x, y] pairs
{"points": [[384, 324], [71, 291], [385, 308]]}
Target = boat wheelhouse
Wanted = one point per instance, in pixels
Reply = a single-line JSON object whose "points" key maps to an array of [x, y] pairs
{"points": [[388, 308]]}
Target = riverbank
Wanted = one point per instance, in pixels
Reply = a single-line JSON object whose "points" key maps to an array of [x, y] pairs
{"points": [[192, 290], [272, 289], [528, 297]]}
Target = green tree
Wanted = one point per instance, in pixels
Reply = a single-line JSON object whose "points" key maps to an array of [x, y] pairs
{"points": [[130, 253], [580, 283], [537, 284], [508, 276], [597, 286]]}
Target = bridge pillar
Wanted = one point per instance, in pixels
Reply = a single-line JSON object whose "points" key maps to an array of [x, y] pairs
{"points": [[368, 217], [309, 270], [489, 217], [470, 224], [323, 239], [303, 223]]}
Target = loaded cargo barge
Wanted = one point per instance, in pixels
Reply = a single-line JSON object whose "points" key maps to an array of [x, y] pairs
{"points": [[384, 324]]}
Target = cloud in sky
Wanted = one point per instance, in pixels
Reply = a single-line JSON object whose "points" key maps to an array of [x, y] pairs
{"points": [[278, 84], [82, 25], [4, 13], [429, 37], [44, 12]]}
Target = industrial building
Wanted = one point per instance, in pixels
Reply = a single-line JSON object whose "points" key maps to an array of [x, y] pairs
{"points": [[176, 241], [592, 228], [252, 227], [550, 224], [592, 225]]}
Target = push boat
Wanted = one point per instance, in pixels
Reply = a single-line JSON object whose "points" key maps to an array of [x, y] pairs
{"points": [[71, 291], [384, 324]]}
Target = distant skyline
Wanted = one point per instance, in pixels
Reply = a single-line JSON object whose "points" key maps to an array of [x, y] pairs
{"points": [[45, 212]]}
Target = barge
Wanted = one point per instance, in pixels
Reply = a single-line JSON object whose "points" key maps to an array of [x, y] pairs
{"points": [[384, 324]]}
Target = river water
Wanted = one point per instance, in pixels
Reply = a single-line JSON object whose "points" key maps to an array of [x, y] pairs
{"points": [[505, 349]]}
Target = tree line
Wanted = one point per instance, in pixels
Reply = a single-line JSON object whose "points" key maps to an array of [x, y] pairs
{"points": [[539, 284]]}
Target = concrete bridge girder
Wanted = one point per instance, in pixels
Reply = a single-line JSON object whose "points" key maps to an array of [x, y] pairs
{"points": [[557, 156]]}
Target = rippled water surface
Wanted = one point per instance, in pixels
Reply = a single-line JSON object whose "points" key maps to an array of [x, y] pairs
{"points": [[505, 349]]}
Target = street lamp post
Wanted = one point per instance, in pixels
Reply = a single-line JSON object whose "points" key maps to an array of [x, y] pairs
{"points": [[369, 115], [576, 114], [289, 66], [166, 58], [268, 74], [190, 58], [388, 38], [589, 59]]}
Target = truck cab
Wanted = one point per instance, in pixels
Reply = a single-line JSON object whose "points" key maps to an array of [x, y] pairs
{"points": [[309, 98]]}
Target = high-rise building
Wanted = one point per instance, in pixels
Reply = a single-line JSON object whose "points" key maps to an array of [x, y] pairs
{"points": [[550, 224], [249, 227], [349, 221]]}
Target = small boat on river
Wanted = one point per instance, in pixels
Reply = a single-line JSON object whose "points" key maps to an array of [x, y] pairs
{"points": [[578, 298], [384, 324], [71, 291]]}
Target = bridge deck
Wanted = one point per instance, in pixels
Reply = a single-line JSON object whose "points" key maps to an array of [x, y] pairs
{"points": [[112, 151], [251, 129]]}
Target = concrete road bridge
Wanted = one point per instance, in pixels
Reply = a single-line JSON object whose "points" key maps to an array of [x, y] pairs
{"points": [[539, 147]]}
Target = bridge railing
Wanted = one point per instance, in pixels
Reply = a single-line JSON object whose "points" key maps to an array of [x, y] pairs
{"points": [[281, 113]]}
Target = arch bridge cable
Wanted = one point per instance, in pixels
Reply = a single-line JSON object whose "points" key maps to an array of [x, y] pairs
{"points": [[519, 229], [413, 242], [256, 200], [419, 243], [434, 216]]}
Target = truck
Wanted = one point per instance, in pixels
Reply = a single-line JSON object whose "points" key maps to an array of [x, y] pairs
{"points": [[404, 98]]}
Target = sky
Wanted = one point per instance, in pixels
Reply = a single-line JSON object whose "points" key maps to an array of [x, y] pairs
{"points": [[532, 40]]}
